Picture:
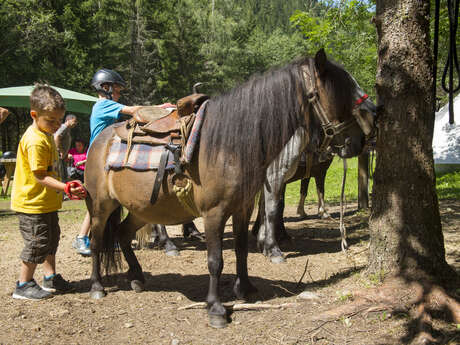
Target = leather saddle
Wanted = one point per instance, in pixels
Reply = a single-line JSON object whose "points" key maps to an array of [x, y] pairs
{"points": [[158, 126]]}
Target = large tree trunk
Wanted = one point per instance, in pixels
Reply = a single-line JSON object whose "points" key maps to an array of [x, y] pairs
{"points": [[405, 227]]}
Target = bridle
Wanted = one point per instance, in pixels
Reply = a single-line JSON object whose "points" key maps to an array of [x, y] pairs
{"points": [[330, 129]]}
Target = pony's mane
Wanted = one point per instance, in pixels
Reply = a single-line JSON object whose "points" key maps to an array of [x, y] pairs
{"points": [[253, 122]]}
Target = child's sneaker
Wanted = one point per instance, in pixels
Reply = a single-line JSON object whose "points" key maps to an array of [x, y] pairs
{"points": [[57, 284], [81, 244], [31, 291]]}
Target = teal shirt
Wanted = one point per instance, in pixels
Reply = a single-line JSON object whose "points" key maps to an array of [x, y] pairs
{"points": [[105, 113]]}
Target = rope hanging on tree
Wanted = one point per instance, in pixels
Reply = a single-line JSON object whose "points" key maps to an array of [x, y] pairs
{"points": [[452, 58]]}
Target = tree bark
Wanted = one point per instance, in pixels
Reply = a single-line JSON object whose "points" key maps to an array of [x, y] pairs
{"points": [[405, 227]]}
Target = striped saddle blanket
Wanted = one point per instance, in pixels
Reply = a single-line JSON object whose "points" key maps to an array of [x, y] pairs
{"points": [[141, 157]]}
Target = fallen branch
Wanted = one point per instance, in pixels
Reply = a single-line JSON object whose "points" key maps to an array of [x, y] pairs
{"points": [[283, 288], [241, 306], [303, 274]]}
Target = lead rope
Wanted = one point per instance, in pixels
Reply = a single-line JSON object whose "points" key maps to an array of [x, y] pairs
{"points": [[343, 229], [371, 165], [452, 58]]}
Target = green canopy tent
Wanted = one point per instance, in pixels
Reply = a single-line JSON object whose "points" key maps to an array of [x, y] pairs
{"points": [[19, 97]]}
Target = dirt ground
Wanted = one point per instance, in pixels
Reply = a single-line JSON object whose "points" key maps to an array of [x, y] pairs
{"points": [[154, 317]]}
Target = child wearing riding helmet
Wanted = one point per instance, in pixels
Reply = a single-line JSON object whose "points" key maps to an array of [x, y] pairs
{"points": [[106, 111]]}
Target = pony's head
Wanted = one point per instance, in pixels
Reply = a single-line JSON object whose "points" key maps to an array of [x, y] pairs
{"points": [[344, 111]]}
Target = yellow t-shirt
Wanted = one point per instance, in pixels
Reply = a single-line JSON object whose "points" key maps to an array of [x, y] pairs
{"points": [[36, 152]]}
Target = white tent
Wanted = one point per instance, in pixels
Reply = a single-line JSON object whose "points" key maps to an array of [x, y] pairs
{"points": [[446, 138]]}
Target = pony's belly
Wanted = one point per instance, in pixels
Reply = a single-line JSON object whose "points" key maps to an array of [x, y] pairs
{"points": [[133, 189]]}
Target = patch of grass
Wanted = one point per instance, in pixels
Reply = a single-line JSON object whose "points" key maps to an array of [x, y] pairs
{"points": [[370, 280], [333, 184], [447, 184], [344, 296], [377, 278]]}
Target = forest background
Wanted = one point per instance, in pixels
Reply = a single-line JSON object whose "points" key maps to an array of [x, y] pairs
{"points": [[163, 47]]}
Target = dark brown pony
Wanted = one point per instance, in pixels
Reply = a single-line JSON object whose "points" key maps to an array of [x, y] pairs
{"points": [[243, 131]]}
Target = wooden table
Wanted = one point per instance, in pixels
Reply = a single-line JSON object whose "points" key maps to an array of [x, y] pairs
{"points": [[10, 164]]}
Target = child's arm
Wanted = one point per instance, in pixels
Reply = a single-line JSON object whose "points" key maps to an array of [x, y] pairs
{"points": [[45, 180], [3, 114], [130, 110]]}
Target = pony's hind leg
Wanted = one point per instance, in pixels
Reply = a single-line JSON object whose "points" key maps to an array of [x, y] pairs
{"points": [[322, 212], [165, 241], [243, 286], [190, 231], [126, 234], [303, 195], [103, 225], [214, 223]]}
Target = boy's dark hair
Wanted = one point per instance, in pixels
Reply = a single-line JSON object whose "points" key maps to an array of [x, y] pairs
{"points": [[45, 98]]}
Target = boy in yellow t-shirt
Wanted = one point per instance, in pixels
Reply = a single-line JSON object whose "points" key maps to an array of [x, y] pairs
{"points": [[36, 196]]}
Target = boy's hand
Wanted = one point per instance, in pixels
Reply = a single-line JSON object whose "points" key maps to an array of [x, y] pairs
{"points": [[75, 190]]}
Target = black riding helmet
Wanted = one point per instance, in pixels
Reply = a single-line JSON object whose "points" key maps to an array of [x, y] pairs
{"points": [[106, 76]]}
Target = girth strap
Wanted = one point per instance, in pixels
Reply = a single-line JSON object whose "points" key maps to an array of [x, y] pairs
{"points": [[176, 151], [159, 177]]}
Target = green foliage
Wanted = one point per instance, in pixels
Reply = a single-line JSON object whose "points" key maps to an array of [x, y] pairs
{"points": [[163, 47], [345, 31]]}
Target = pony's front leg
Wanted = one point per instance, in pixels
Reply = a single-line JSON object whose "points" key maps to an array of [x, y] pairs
{"points": [[243, 286], [272, 221], [214, 223], [280, 230]]}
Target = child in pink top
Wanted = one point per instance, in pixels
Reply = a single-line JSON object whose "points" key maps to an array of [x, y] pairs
{"points": [[78, 156]]}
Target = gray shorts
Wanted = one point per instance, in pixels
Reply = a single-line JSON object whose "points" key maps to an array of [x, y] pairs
{"points": [[41, 235]]}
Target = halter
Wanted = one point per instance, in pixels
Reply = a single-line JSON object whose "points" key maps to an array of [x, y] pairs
{"points": [[330, 129]]}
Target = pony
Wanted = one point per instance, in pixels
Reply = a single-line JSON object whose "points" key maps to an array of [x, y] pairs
{"points": [[243, 132], [288, 167], [305, 170]]}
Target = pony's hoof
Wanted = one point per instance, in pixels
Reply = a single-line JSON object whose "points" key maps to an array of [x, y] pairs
{"points": [[302, 214], [277, 259], [137, 286], [172, 252], [97, 294], [218, 321], [325, 215]]}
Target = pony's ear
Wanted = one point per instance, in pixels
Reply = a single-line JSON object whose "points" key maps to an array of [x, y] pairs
{"points": [[320, 61]]}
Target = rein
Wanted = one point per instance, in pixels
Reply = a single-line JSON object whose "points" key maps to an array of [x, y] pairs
{"points": [[330, 130]]}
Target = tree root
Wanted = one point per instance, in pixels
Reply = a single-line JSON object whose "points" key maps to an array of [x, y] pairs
{"points": [[423, 301]]}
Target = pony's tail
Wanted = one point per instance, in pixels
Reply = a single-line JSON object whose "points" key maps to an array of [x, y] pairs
{"points": [[110, 256]]}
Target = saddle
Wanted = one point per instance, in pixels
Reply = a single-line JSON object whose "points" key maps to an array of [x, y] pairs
{"points": [[156, 126]]}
